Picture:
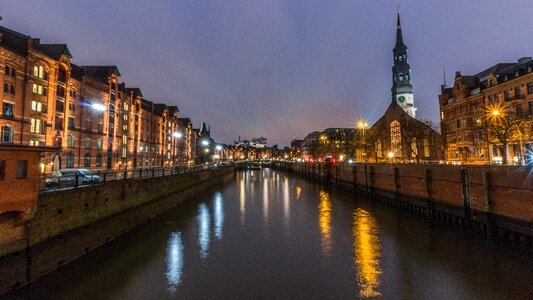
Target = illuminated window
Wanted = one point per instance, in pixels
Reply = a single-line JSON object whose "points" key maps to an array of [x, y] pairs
{"points": [[87, 143], [124, 152], [414, 146], [426, 148], [396, 138], [99, 144], [379, 148], [124, 139], [36, 71]]}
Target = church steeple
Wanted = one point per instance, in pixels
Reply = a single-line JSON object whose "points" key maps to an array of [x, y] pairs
{"points": [[399, 36], [402, 90]]}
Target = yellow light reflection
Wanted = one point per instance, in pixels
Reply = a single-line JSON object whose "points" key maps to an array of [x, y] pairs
{"points": [[242, 199], [298, 192], [286, 199], [366, 253], [324, 221]]}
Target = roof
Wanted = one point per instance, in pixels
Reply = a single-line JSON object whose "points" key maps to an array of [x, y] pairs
{"points": [[136, 92], [14, 41], [102, 72], [76, 72], [54, 51]]}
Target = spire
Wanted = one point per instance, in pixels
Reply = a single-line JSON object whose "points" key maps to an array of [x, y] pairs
{"points": [[399, 36]]}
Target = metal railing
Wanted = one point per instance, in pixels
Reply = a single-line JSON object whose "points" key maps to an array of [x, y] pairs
{"points": [[49, 182]]}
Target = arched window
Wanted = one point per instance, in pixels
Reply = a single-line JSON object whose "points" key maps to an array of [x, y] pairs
{"points": [[396, 138], [414, 146], [379, 148], [7, 134], [70, 141], [88, 143]]}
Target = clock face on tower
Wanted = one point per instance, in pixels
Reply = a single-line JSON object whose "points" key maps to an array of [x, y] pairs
{"points": [[401, 99]]}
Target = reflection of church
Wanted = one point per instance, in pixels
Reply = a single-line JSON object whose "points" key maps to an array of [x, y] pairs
{"points": [[397, 135]]}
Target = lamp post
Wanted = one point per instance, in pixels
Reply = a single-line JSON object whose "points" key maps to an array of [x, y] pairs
{"points": [[362, 125], [177, 136], [89, 105]]}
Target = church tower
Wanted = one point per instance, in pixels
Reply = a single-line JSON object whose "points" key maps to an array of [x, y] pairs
{"points": [[402, 90]]}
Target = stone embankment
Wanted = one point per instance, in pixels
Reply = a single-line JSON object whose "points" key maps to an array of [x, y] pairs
{"points": [[497, 200], [71, 222]]}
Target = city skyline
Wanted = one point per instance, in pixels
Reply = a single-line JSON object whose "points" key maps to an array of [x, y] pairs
{"points": [[284, 69]]}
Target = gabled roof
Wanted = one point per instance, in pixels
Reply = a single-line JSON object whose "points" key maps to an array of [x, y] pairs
{"points": [[136, 92], [173, 109], [54, 51], [102, 72]]}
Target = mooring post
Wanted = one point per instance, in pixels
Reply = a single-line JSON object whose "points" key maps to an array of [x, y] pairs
{"points": [[489, 203], [397, 186], [429, 194]]}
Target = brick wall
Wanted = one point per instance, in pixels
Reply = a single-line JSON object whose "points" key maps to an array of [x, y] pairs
{"points": [[69, 223]]}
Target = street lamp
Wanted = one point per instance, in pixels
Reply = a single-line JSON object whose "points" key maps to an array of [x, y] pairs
{"points": [[362, 125], [205, 143], [177, 135]]}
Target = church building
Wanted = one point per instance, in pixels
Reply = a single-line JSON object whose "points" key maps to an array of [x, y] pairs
{"points": [[398, 136]]}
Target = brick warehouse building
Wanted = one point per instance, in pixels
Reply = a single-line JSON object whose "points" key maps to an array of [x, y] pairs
{"points": [[506, 88], [95, 121]]}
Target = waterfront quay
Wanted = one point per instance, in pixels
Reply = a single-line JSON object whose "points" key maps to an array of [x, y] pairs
{"points": [[270, 234], [493, 199]]}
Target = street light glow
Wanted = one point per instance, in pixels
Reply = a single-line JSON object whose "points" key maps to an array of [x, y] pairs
{"points": [[205, 143], [177, 134], [495, 112], [98, 106], [390, 154], [218, 147]]}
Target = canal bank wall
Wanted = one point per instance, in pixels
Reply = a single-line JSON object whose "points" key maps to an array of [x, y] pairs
{"points": [[497, 200], [70, 223]]}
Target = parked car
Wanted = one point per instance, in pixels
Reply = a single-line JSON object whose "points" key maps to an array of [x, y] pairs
{"points": [[67, 178], [83, 176]]}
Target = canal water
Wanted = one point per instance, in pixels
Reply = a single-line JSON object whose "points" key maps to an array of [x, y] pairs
{"points": [[268, 235]]}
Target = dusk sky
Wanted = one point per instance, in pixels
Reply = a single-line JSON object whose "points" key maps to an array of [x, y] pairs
{"points": [[280, 68]]}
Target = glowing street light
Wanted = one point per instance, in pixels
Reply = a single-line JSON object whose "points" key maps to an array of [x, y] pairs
{"points": [[205, 143], [177, 135], [98, 106], [218, 147], [362, 125]]}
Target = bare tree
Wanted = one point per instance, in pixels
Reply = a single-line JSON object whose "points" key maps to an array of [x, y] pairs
{"points": [[500, 129]]}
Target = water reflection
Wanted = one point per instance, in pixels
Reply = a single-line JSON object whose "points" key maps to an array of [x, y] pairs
{"points": [[204, 224], [298, 192], [174, 261], [219, 215], [242, 196], [265, 199], [366, 253], [324, 221], [285, 198]]}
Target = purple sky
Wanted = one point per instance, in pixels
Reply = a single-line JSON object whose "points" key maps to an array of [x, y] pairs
{"points": [[280, 68]]}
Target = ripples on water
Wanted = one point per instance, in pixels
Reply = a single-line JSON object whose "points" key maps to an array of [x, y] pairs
{"points": [[268, 235]]}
